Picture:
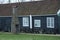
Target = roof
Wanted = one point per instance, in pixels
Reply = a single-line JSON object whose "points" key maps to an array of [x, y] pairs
{"points": [[33, 8]]}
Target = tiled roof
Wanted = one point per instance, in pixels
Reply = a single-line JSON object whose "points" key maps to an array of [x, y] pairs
{"points": [[33, 8]]}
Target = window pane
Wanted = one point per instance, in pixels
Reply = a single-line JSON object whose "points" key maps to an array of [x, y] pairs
{"points": [[50, 22], [37, 23], [25, 21]]}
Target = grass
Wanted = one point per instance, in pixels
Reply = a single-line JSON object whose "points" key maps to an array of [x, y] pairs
{"points": [[8, 36]]}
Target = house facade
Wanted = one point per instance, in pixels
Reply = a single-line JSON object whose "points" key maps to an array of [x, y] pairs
{"points": [[36, 16]]}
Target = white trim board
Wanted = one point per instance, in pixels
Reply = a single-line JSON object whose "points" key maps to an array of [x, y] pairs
{"points": [[31, 15]]}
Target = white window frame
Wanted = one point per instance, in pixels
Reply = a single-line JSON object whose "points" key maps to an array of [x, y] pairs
{"points": [[25, 21], [50, 24], [37, 23]]}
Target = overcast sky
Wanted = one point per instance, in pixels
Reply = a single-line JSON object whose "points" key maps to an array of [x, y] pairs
{"points": [[12, 1]]}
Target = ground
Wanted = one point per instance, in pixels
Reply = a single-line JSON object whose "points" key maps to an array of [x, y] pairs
{"points": [[28, 36]]}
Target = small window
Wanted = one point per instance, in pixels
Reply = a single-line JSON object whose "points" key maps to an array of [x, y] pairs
{"points": [[37, 23], [25, 21], [50, 22]]}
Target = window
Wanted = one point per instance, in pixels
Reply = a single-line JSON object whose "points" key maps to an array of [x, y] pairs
{"points": [[50, 22], [25, 21], [37, 23]]}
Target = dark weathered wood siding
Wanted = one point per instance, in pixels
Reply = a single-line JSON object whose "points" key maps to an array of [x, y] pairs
{"points": [[5, 23]]}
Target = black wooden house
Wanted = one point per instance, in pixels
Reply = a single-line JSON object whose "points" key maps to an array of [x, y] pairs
{"points": [[38, 16]]}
